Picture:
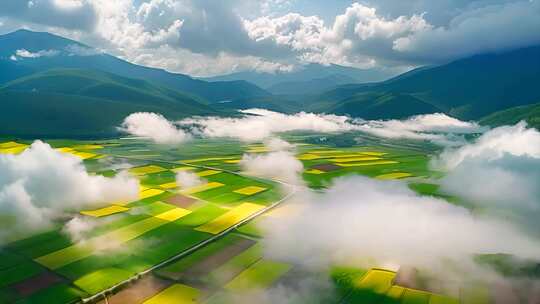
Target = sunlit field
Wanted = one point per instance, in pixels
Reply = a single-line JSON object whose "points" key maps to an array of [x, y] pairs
{"points": [[205, 243]]}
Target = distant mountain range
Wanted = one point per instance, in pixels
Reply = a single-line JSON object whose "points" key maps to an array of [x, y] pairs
{"points": [[468, 88], [42, 51], [55, 87], [309, 79]]}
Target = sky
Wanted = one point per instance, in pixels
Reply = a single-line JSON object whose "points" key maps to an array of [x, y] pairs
{"points": [[213, 37]]}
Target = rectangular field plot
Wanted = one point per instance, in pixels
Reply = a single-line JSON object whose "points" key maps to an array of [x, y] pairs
{"points": [[377, 280], [313, 171], [88, 147], [58, 293], [440, 299], [250, 190], [226, 272], [18, 273], [369, 163], [141, 290], [173, 214], [176, 294], [394, 294], [146, 170], [183, 168], [102, 279], [83, 155], [171, 185], [308, 156], [413, 296], [39, 245], [150, 193], [36, 283], [202, 188], [355, 159], [395, 175], [230, 218], [208, 173], [80, 251], [202, 214], [113, 209], [372, 287], [200, 263], [260, 275], [13, 150], [10, 144]]}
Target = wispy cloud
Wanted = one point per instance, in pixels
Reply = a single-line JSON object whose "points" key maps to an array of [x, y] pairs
{"points": [[23, 53]]}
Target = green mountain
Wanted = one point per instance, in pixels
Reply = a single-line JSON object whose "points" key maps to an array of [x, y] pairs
{"points": [[11, 70], [85, 103], [469, 88], [46, 51], [308, 79], [528, 113], [388, 105]]}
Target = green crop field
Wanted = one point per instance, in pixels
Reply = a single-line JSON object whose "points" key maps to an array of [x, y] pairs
{"points": [[201, 241]]}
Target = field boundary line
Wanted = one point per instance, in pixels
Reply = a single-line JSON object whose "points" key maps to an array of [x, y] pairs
{"points": [[103, 294]]}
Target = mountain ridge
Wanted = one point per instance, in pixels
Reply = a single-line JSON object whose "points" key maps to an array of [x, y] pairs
{"points": [[85, 57]]}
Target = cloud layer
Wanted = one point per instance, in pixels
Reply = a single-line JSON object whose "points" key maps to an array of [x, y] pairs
{"points": [[499, 173], [364, 222], [258, 125], [438, 127], [40, 184], [211, 37]]}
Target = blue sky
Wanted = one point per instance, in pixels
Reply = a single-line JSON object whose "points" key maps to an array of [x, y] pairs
{"points": [[211, 37]]}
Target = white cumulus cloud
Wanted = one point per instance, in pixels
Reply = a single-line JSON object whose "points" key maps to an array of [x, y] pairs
{"points": [[499, 173], [155, 127], [280, 165], [438, 127], [40, 184]]}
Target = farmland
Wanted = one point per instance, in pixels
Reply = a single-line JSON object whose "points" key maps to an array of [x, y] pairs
{"points": [[203, 244]]}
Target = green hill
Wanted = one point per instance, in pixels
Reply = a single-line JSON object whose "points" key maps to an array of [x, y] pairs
{"points": [[10, 70], [72, 54], [528, 113], [468, 88], [387, 105], [85, 103]]}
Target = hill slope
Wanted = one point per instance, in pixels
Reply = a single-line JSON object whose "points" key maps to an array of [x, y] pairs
{"points": [[47, 51], [11, 70], [387, 105], [85, 103], [528, 113], [468, 88]]}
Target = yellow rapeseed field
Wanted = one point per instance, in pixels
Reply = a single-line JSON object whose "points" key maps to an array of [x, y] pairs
{"points": [[230, 218]]}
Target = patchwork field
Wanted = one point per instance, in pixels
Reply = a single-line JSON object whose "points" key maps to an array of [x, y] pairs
{"points": [[200, 244]]}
